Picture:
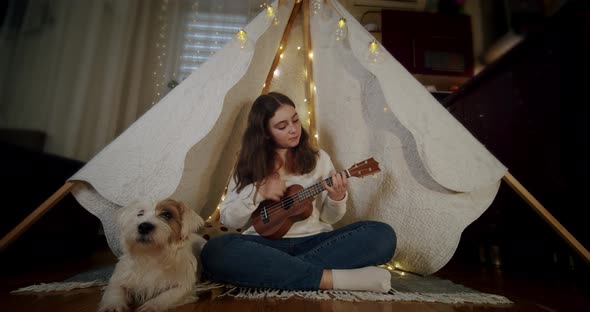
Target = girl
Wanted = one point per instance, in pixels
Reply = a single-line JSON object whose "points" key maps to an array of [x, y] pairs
{"points": [[276, 153]]}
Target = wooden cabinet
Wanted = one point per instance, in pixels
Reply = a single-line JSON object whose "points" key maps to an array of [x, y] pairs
{"points": [[429, 43]]}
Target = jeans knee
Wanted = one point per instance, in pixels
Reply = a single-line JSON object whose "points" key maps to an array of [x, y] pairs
{"points": [[385, 239], [215, 251]]}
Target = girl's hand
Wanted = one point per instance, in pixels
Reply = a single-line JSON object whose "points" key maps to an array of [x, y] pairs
{"points": [[272, 187], [337, 191]]}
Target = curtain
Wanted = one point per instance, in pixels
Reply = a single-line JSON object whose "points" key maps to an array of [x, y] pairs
{"points": [[83, 71]]}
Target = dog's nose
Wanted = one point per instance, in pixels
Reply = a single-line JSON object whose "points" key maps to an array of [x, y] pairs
{"points": [[145, 228]]}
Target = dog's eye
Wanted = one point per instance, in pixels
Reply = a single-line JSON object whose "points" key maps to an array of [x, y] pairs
{"points": [[166, 215], [140, 213]]}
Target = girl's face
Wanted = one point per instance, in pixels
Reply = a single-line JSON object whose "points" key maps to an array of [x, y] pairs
{"points": [[285, 127]]}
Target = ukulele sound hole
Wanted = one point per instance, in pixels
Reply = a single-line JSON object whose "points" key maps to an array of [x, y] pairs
{"points": [[286, 204]]}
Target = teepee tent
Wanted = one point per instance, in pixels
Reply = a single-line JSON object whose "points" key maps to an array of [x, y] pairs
{"points": [[435, 178]]}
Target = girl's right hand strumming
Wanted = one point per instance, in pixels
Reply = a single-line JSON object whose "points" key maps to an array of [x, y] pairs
{"points": [[272, 187]]}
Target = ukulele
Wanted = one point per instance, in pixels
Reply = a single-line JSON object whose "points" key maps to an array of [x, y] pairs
{"points": [[273, 219]]}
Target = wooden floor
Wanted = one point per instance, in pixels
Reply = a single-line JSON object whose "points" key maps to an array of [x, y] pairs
{"points": [[539, 293]]}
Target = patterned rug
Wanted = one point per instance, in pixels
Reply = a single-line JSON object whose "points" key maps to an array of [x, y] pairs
{"points": [[404, 287]]}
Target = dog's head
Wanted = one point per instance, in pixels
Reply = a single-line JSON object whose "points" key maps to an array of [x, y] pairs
{"points": [[155, 225]]}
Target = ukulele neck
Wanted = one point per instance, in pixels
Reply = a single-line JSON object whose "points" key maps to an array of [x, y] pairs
{"points": [[317, 188]]}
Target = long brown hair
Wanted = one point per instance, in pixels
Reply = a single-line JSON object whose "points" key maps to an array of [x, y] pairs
{"points": [[257, 157]]}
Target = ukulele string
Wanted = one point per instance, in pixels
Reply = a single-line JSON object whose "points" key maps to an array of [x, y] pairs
{"points": [[304, 194], [290, 200]]}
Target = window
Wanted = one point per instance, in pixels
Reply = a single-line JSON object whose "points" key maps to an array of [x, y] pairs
{"points": [[208, 26]]}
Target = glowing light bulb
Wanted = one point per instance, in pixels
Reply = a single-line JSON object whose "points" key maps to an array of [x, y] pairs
{"points": [[270, 11], [242, 38], [375, 54], [242, 34], [271, 15], [341, 22], [341, 30], [373, 46]]}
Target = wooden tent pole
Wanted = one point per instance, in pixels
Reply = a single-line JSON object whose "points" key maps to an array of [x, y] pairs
{"points": [[35, 215], [309, 84], [546, 215], [283, 42]]}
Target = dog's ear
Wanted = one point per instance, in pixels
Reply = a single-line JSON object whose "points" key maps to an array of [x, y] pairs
{"points": [[191, 221]]}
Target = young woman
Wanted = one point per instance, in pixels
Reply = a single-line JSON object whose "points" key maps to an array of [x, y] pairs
{"points": [[276, 153]]}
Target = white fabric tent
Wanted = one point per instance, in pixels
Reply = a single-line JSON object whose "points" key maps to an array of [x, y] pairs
{"points": [[436, 177]]}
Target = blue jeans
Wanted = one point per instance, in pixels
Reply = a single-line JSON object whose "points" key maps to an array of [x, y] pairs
{"points": [[296, 263]]}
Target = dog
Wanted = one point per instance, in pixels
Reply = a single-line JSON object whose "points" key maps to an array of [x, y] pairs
{"points": [[158, 268]]}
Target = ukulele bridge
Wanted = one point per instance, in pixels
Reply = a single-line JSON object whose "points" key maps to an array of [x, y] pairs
{"points": [[264, 215]]}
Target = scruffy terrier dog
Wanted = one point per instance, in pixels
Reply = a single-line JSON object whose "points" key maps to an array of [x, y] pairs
{"points": [[158, 268]]}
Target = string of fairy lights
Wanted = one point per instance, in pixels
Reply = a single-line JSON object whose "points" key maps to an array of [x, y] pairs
{"points": [[374, 54], [159, 73], [207, 27], [164, 81], [375, 51]]}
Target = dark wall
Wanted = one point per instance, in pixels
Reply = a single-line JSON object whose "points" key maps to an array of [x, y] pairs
{"points": [[66, 231], [530, 109]]}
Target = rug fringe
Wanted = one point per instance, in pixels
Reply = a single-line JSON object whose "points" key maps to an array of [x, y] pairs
{"points": [[47, 287], [207, 286], [453, 298], [260, 293], [67, 286]]}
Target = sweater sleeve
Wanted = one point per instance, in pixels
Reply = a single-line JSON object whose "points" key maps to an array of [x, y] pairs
{"points": [[331, 210], [236, 209]]}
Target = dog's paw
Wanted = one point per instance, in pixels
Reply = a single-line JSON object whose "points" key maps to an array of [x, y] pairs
{"points": [[114, 308]]}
